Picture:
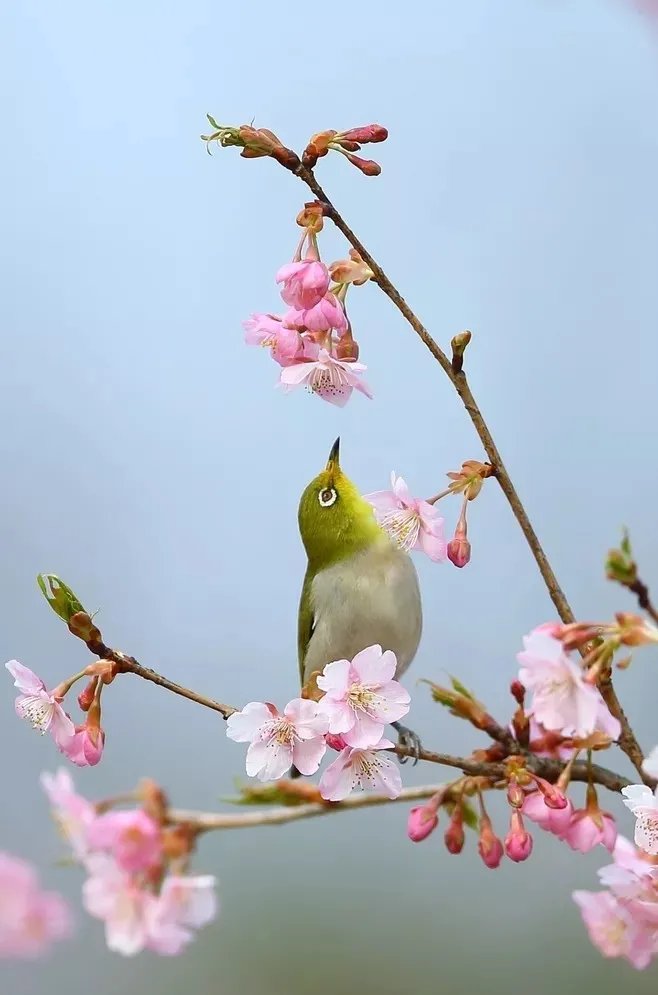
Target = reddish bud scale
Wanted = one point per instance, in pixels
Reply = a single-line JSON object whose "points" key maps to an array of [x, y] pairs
{"points": [[86, 696]]}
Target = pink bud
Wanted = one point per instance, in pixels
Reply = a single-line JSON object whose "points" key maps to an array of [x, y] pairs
{"points": [[335, 742], [454, 834], [553, 797], [422, 821], [459, 552], [517, 691], [366, 134], [518, 842], [367, 166], [490, 847]]}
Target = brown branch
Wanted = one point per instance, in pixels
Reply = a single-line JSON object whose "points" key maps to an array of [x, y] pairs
{"points": [[641, 591], [550, 769], [203, 821], [627, 741], [129, 665]]}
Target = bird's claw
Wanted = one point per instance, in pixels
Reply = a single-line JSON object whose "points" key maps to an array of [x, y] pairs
{"points": [[408, 740]]}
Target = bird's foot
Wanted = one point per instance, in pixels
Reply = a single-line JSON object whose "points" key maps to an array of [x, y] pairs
{"points": [[409, 740]]}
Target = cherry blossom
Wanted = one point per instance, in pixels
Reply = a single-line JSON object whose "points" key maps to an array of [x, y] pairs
{"points": [[278, 740]]}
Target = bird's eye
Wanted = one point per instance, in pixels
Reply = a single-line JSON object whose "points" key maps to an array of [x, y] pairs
{"points": [[327, 497]]}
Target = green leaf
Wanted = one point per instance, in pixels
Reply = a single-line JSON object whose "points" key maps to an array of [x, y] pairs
{"points": [[470, 816], [459, 687], [626, 543], [59, 596], [213, 122]]}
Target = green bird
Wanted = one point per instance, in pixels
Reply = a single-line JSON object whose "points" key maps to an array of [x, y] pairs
{"points": [[360, 588]]}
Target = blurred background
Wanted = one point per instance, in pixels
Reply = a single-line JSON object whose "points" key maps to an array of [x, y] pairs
{"points": [[147, 458]]}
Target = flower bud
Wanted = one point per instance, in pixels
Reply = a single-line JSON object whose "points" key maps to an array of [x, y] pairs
{"points": [[454, 834], [367, 166], [517, 691], [490, 847], [518, 842], [620, 565], [422, 821], [553, 797], [459, 343], [515, 793], [459, 548], [365, 135], [335, 742]]}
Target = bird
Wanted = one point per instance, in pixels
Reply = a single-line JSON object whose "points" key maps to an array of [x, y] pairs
{"points": [[360, 588]]}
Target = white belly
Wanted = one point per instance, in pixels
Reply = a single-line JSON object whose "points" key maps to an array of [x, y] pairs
{"points": [[371, 598]]}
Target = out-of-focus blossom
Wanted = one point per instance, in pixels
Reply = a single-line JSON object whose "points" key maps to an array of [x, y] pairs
{"points": [[132, 837], [31, 920], [613, 929], [562, 699], [73, 814]]}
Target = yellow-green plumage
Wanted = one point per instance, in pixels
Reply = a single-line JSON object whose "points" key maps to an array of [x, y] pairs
{"points": [[360, 588]]}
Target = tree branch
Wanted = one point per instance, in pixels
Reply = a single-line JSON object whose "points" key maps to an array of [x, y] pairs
{"points": [[627, 741]]}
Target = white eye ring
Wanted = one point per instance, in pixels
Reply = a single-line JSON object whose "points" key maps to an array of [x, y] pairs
{"points": [[327, 497]]}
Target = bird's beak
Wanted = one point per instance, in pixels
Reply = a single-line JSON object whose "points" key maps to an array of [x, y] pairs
{"points": [[333, 463]]}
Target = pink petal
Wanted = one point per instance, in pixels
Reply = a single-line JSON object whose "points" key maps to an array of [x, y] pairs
{"points": [[307, 717], [307, 754], [434, 546], [243, 726], [382, 501], [388, 775], [24, 678], [295, 375], [61, 728], [337, 781], [335, 677], [365, 733], [646, 830], [374, 667], [268, 760]]}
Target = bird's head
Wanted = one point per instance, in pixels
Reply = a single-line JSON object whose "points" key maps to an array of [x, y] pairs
{"points": [[334, 520]]}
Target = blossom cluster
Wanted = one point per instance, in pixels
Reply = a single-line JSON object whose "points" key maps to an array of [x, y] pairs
{"points": [[135, 863], [360, 697], [312, 341], [31, 919]]}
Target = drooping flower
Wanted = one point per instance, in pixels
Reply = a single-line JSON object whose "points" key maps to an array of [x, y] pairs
{"points": [[365, 769], [613, 929], [278, 740], [562, 698], [73, 813], [39, 706], [271, 332], [590, 826], [328, 314], [86, 747], [362, 697], [518, 842], [410, 522], [553, 820], [331, 379], [31, 920], [183, 905], [643, 803], [304, 283], [132, 837]]}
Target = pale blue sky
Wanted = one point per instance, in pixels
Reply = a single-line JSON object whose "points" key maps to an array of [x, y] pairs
{"points": [[148, 460]]}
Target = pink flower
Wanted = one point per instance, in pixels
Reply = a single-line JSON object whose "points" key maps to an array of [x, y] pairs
{"points": [[137, 919], [410, 522], [643, 803], [562, 699], [133, 838], [361, 697], [73, 813], [588, 828], [39, 706], [269, 331], [553, 820], [612, 928], [304, 283], [277, 741], [365, 769], [184, 904], [86, 747], [331, 379], [328, 314], [422, 821], [31, 920], [518, 842]]}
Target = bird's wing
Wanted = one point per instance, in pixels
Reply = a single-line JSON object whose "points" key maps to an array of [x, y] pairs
{"points": [[305, 623]]}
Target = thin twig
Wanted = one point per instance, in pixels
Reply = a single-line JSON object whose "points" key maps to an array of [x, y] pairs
{"points": [[641, 591], [129, 665], [627, 741], [276, 816]]}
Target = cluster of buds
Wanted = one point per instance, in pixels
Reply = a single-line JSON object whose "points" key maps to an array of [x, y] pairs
{"points": [[347, 143], [313, 341], [598, 642]]}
